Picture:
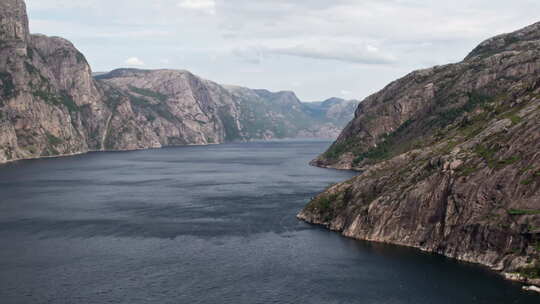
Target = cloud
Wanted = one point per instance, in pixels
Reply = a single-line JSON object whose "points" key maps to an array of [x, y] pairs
{"points": [[250, 54], [345, 93], [64, 4], [329, 45], [350, 52], [134, 61], [133, 34], [207, 6], [346, 53]]}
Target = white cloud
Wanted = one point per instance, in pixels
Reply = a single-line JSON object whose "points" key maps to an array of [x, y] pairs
{"points": [[134, 61], [329, 45], [330, 49], [371, 48], [348, 53], [250, 54], [49, 4], [346, 93], [133, 34], [207, 6]]}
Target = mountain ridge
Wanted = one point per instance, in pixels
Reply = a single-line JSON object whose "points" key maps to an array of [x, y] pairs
{"points": [[51, 105], [448, 161]]}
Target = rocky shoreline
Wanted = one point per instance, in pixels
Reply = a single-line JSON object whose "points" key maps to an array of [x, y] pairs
{"points": [[448, 161], [529, 284]]}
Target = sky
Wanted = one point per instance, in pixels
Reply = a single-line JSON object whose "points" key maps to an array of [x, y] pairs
{"points": [[316, 48]]}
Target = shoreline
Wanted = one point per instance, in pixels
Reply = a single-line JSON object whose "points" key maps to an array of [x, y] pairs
{"points": [[528, 284], [9, 161]]}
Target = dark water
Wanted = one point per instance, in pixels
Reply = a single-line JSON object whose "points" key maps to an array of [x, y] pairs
{"points": [[204, 225]]}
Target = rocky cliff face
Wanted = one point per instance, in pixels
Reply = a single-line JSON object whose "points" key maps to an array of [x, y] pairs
{"points": [[449, 161], [51, 105], [169, 107], [201, 111], [47, 93]]}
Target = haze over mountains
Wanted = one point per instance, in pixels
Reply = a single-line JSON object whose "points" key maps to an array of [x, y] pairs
{"points": [[51, 105]]}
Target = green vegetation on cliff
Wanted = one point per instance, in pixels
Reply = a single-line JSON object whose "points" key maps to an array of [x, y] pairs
{"points": [[148, 93], [8, 88]]}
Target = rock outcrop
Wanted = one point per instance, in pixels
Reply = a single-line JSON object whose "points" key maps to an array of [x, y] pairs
{"points": [[449, 161], [50, 104]]}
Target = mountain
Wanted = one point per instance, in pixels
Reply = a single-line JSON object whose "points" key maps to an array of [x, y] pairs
{"points": [[171, 108], [336, 110], [448, 161], [51, 104], [268, 115], [242, 113]]}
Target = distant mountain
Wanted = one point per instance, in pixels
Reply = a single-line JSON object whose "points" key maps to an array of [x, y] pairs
{"points": [[94, 74], [336, 110], [266, 114], [244, 114], [50, 103]]}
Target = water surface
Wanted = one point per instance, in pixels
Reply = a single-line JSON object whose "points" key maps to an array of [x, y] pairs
{"points": [[212, 224]]}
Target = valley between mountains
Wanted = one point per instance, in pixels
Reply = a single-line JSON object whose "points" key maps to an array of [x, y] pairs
{"points": [[448, 158], [51, 104]]}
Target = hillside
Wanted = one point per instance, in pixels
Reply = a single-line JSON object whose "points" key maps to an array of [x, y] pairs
{"points": [[449, 161], [51, 105]]}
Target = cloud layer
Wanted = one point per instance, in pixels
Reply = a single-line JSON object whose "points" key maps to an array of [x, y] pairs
{"points": [[319, 48], [207, 6], [134, 61]]}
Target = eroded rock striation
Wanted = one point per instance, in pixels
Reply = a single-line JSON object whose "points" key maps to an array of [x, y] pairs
{"points": [[50, 104], [449, 161]]}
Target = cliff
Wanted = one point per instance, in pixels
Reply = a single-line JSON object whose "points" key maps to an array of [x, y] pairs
{"points": [[198, 107], [50, 104], [448, 161], [169, 107]]}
